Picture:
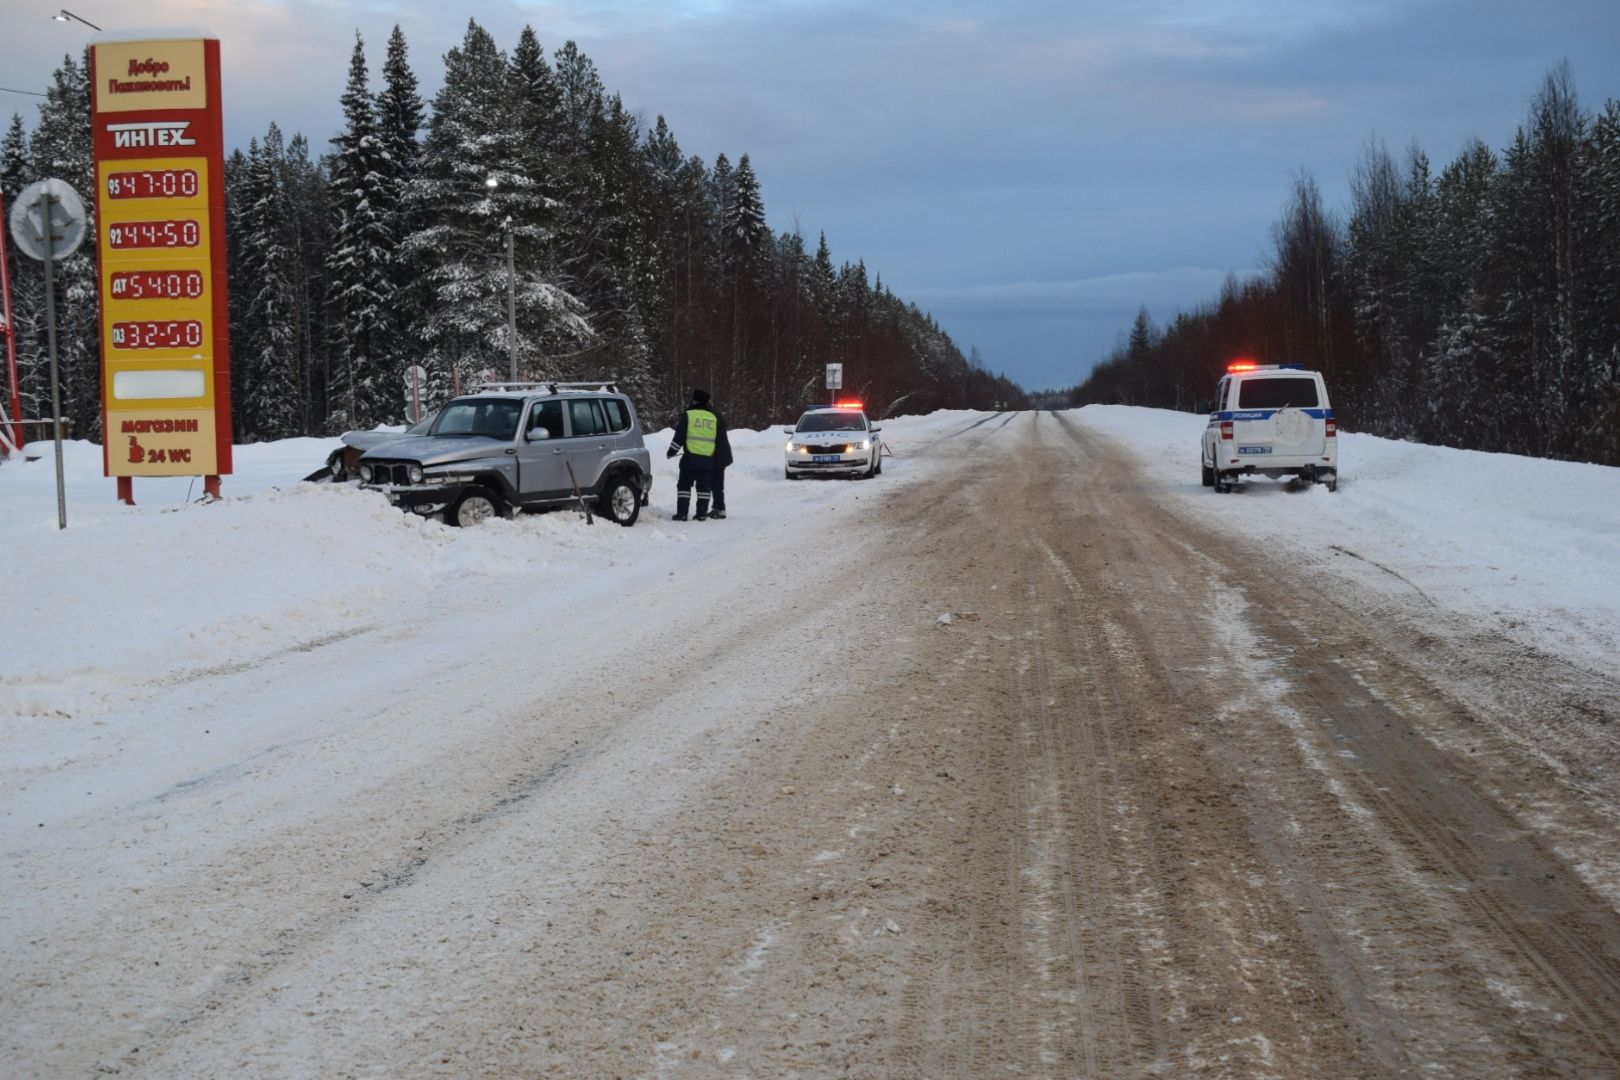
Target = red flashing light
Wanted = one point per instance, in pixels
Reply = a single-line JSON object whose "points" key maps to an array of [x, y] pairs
{"points": [[1241, 365], [848, 405]]}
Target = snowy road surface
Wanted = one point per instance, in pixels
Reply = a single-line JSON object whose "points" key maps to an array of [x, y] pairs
{"points": [[1266, 784]]}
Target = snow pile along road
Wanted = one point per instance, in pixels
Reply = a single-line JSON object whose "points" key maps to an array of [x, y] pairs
{"points": [[131, 597], [1528, 547]]}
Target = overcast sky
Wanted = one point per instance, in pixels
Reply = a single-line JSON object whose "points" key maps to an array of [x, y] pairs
{"points": [[1028, 171]]}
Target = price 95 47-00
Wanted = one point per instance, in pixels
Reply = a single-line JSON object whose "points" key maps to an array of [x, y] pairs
{"points": [[124, 235], [153, 184], [157, 285], [158, 334]]}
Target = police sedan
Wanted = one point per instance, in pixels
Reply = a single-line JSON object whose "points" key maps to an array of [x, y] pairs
{"points": [[837, 440]]}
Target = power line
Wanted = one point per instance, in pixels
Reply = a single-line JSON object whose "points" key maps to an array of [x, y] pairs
{"points": [[35, 93]]}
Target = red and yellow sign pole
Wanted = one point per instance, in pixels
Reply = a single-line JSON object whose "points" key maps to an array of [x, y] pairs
{"points": [[160, 233]]}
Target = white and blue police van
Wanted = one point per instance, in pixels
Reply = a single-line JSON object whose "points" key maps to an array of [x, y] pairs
{"points": [[1270, 420]]}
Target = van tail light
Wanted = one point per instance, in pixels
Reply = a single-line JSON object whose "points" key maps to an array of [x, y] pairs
{"points": [[1226, 430], [1332, 427]]}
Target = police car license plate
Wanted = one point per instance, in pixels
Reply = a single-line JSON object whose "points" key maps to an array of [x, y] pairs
{"points": [[1254, 449], [826, 457]]}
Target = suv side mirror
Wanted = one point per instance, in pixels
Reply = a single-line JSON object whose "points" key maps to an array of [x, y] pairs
{"points": [[536, 434], [1204, 407]]}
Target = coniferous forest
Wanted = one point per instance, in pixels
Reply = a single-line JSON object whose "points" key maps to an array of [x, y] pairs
{"points": [[631, 259], [1479, 308]]}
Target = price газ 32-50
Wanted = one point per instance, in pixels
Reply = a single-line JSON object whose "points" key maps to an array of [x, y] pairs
{"points": [[123, 235], [153, 184], [157, 285], [158, 334]]}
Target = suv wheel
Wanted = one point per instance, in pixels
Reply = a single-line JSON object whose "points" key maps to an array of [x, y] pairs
{"points": [[475, 507], [621, 500], [1208, 474]]}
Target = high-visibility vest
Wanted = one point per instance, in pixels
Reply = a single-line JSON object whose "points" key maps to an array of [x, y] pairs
{"points": [[702, 428]]}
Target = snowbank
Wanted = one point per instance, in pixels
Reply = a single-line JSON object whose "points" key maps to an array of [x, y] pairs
{"points": [[1529, 546], [128, 597]]}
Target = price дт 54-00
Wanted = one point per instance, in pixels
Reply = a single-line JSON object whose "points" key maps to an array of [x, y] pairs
{"points": [[157, 285]]}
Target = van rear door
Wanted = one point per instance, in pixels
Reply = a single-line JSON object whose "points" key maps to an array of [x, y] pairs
{"points": [[1278, 416]]}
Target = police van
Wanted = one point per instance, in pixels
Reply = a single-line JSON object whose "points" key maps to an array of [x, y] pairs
{"points": [[1270, 420]]}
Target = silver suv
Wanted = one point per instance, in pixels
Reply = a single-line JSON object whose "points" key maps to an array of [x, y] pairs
{"points": [[519, 446]]}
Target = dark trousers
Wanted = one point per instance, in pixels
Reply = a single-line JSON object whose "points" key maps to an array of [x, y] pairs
{"points": [[717, 481], [694, 470]]}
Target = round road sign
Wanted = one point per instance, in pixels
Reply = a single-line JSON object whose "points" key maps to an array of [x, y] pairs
{"points": [[67, 224]]}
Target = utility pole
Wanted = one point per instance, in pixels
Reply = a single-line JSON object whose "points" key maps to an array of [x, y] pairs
{"points": [[511, 304]]}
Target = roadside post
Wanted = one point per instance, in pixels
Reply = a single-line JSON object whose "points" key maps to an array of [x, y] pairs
{"points": [[48, 224], [415, 378], [10, 330]]}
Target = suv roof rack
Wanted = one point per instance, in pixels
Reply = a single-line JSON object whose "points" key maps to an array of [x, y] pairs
{"points": [[552, 386]]}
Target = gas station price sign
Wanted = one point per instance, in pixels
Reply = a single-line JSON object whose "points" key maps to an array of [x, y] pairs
{"points": [[160, 225], [153, 184], [126, 235]]}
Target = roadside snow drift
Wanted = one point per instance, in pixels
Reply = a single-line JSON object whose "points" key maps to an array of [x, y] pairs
{"points": [[1527, 545]]}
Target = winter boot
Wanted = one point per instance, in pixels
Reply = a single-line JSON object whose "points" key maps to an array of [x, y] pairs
{"points": [[681, 502], [717, 515], [702, 507]]}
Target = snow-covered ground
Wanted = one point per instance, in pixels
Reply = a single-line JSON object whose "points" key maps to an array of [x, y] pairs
{"points": [[222, 726], [131, 597], [1522, 545]]}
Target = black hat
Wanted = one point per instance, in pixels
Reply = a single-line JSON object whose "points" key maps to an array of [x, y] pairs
{"points": [[700, 397]]}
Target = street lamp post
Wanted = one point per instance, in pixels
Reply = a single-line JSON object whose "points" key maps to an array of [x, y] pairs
{"points": [[64, 15], [511, 293]]}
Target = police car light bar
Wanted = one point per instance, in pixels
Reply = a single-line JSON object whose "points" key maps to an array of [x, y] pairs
{"points": [[847, 405], [1249, 365]]}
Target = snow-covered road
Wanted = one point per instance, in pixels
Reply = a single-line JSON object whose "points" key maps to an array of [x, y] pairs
{"points": [[296, 785]]}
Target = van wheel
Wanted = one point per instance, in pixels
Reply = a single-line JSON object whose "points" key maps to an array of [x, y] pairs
{"points": [[621, 501], [475, 508]]}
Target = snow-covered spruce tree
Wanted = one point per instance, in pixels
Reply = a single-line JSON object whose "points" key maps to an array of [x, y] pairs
{"points": [[266, 400], [61, 148], [400, 118], [1599, 284], [621, 250], [399, 113], [364, 388], [457, 250], [1462, 239], [1417, 301], [306, 188], [27, 285]]}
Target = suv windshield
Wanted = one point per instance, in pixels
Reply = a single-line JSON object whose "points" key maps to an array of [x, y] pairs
{"points": [[832, 421], [495, 417], [1274, 393]]}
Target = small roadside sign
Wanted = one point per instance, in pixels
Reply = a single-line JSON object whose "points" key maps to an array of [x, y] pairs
{"points": [[835, 376], [67, 219]]}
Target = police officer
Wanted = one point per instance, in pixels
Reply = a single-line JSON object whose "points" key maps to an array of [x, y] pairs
{"points": [[697, 432], [722, 458]]}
